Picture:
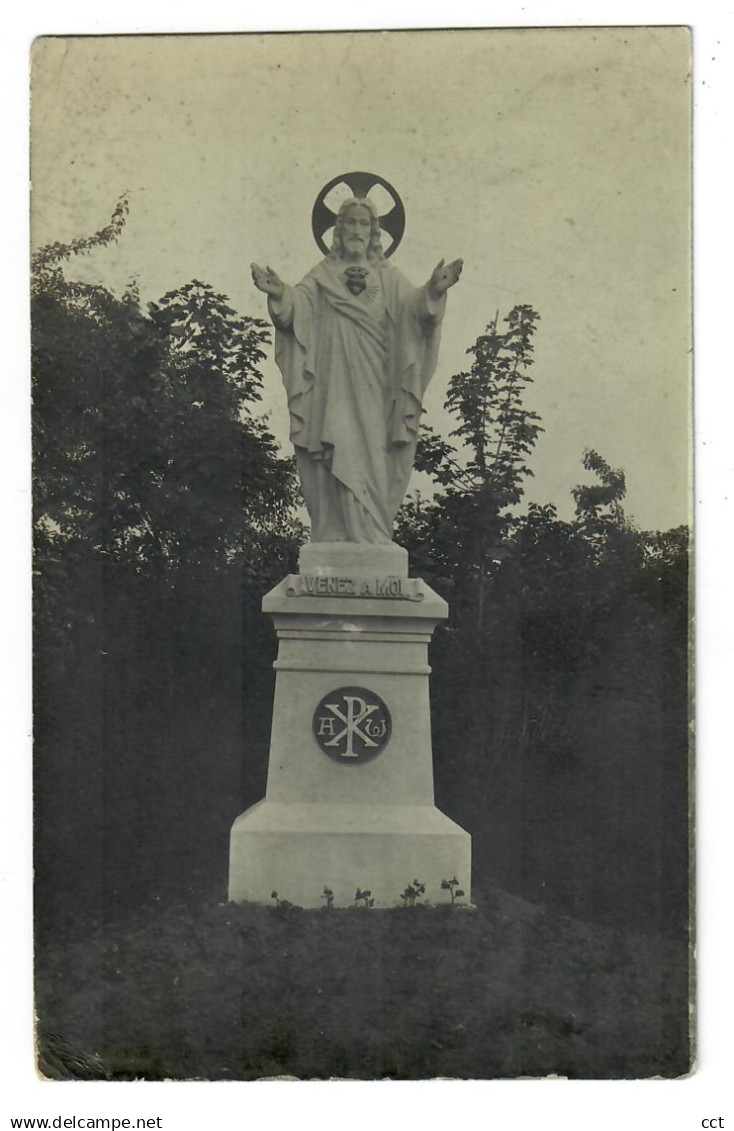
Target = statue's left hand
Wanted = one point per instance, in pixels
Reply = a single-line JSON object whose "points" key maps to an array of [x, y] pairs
{"points": [[444, 276]]}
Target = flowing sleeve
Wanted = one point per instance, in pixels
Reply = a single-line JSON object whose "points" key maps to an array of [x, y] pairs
{"points": [[294, 316], [416, 335], [430, 311], [281, 309]]}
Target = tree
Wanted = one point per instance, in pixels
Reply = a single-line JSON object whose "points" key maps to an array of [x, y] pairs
{"points": [[147, 448], [457, 535], [559, 688], [163, 510]]}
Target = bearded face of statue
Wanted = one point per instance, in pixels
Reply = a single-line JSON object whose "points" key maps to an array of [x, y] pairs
{"points": [[356, 229], [357, 233]]}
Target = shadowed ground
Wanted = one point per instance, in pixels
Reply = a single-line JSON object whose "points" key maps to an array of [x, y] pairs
{"points": [[219, 991]]}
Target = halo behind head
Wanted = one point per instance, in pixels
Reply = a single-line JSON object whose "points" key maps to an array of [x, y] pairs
{"points": [[391, 222]]}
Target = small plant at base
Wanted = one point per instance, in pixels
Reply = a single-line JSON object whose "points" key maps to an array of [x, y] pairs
{"points": [[452, 886], [368, 900], [412, 892], [328, 897], [280, 904]]}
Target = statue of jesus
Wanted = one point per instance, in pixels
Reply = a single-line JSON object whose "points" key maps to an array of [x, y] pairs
{"points": [[356, 344]]}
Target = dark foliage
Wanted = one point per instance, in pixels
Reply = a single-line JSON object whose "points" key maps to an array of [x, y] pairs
{"points": [[196, 988], [559, 692], [163, 511]]}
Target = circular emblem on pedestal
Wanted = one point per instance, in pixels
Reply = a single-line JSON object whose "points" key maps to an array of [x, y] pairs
{"points": [[352, 725]]}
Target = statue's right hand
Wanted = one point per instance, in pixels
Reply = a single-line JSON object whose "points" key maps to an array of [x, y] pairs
{"points": [[265, 279]]}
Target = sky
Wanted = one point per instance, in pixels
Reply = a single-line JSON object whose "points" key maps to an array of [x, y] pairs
{"points": [[556, 162]]}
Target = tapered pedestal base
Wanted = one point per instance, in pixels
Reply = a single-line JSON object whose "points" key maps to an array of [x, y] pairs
{"points": [[298, 850]]}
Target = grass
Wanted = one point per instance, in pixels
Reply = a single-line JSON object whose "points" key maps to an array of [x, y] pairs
{"points": [[203, 989]]}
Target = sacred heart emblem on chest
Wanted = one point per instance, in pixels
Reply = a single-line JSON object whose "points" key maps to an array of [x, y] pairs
{"points": [[356, 279]]}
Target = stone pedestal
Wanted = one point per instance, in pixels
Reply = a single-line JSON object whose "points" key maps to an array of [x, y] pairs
{"points": [[349, 801]]}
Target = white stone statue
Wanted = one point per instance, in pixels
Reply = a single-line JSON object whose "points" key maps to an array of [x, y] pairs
{"points": [[356, 344]]}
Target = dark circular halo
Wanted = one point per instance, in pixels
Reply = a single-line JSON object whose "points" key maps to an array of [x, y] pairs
{"points": [[392, 222]]}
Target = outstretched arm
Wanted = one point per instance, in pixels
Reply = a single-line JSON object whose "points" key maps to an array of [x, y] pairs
{"points": [[280, 296], [265, 279], [444, 276]]}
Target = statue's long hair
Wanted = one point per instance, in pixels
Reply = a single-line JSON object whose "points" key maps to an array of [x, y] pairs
{"points": [[374, 247]]}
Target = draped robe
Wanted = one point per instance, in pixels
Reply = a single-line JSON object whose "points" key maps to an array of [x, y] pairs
{"points": [[355, 368]]}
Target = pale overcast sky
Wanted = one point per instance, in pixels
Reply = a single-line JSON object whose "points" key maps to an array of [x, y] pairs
{"points": [[555, 162]]}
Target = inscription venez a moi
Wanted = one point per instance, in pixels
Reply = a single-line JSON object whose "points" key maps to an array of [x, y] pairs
{"points": [[395, 588], [352, 725]]}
